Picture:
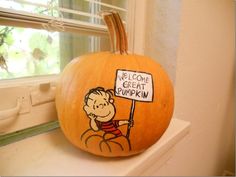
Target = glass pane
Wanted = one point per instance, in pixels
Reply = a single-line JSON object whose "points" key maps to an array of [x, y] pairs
{"points": [[118, 3], [28, 52], [30, 6], [91, 8]]}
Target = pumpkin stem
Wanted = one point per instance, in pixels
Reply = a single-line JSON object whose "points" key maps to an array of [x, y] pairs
{"points": [[118, 38]]}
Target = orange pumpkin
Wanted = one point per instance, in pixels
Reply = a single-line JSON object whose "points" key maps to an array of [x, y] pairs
{"points": [[114, 104]]}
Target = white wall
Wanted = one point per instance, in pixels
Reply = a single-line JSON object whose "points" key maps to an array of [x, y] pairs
{"points": [[162, 32], [204, 85]]}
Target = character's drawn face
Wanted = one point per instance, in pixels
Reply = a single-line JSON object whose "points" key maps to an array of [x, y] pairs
{"points": [[100, 106]]}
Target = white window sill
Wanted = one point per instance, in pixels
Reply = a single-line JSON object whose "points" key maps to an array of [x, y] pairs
{"points": [[52, 154]]}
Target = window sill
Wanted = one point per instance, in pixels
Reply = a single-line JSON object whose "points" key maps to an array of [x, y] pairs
{"points": [[52, 154]]}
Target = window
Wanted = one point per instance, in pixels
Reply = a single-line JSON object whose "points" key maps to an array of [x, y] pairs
{"points": [[40, 38], [37, 40]]}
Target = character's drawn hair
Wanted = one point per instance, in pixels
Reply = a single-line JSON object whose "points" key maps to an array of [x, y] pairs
{"points": [[98, 91]]}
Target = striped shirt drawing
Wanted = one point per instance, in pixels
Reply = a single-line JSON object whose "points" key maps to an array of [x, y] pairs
{"points": [[110, 127]]}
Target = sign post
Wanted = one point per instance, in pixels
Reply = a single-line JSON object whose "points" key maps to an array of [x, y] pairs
{"points": [[136, 86], [131, 118]]}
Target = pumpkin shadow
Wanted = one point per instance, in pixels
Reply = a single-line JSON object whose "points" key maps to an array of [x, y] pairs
{"points": [[100, 140]]}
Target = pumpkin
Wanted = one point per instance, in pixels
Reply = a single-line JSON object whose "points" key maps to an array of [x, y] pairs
{"points": [[115, 103]]}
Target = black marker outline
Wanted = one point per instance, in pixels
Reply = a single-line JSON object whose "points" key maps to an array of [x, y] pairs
{"points": [[135, 72], [98, 90], [100, 145], [88, 138]]}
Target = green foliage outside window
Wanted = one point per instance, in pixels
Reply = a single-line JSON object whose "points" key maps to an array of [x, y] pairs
{"points": [[28, 52]]}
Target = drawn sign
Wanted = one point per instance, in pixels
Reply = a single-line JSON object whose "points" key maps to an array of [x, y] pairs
{"points": [[134, 85]]}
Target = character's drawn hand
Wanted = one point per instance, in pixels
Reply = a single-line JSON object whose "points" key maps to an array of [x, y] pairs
{"points": [[92, 116], [127, 122]]}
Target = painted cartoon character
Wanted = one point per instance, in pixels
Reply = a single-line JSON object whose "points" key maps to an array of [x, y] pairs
{"points": [[100, 109]]}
